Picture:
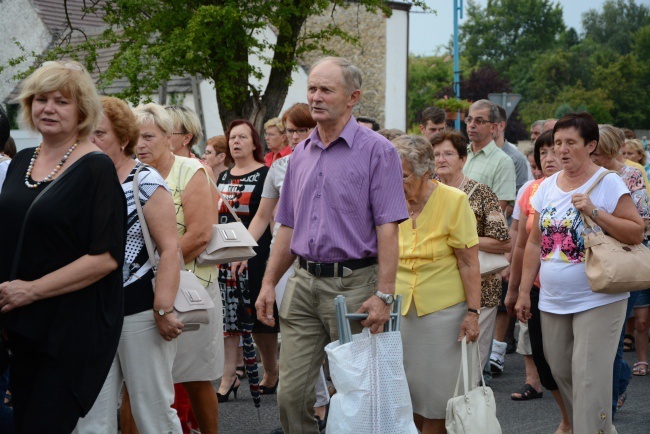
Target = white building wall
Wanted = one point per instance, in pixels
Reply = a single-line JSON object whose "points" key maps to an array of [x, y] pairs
{"points": [[18, 20], [396, 69]]}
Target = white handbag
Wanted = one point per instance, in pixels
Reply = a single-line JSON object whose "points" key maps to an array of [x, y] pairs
{"points": [[193, 304], [230, 242], [475, 411], [490, 263]]}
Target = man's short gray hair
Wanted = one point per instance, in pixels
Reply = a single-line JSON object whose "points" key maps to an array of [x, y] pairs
{"points": [[351, 74], [417, 152], [481, 104], [539, 123]]}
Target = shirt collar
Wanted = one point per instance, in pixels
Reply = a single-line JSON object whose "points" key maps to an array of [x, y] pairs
{"points": [[487, 150], [347, 135]]}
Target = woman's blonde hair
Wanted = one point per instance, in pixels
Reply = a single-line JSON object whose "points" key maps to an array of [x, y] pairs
{"points": [[275, 122], [610, 141], [73, 81], [156, 114], [637, 146], [187, 120]]}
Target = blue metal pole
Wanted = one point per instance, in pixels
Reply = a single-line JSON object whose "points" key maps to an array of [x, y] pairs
{"points": [[458, 11]]}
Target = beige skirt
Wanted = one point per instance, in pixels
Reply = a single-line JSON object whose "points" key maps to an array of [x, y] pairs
{"points": [[200, 354], [432, 357]]}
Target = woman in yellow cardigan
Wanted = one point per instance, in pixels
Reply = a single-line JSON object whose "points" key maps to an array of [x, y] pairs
{"points": [[440, 281]]}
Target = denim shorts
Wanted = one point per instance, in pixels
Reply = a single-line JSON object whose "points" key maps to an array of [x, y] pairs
{"points": [[643, 298]]}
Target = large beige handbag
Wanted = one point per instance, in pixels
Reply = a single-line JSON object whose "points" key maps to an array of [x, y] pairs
{"points": [[193, 304], [230, 242], [612, 266]]}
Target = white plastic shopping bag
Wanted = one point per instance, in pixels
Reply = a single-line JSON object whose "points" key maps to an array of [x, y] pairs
{"points": [[372, 395]]}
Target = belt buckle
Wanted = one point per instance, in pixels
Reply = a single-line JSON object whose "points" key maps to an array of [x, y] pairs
{"points": [[317, 269]]}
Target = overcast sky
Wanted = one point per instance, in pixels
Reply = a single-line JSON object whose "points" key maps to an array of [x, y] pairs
{"points": [[429, 31]]}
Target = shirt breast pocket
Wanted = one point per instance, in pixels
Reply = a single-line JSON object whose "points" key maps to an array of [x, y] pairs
{"points": [[343, 191]]}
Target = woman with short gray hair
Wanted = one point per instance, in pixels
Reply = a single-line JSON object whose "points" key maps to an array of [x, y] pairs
{"points": [[438, 243]]}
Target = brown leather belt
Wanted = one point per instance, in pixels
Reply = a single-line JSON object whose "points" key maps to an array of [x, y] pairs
{"points": [[335, 269]]}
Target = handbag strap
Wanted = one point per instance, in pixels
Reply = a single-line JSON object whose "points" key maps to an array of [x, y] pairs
{"points": [[586, 220], [19, 246], [464, 367], [472, 191], [143, 223], [225, 201]]}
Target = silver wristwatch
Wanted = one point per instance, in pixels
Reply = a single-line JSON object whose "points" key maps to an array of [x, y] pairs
{"points": [[386, 298]]}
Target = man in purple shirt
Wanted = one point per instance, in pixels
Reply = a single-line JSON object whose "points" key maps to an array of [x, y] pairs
{"points": [[341, 202]]}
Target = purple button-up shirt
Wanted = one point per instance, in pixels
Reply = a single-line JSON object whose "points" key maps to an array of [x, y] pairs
{"points": [[334, 197]]}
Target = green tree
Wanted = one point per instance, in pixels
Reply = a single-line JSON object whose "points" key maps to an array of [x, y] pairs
{"points": [[509, 32], [427, 76], [614, 25], [622, 81], [213, 39]]}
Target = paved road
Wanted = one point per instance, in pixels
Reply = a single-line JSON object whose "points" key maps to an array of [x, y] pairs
{"points": [[539, 416]]}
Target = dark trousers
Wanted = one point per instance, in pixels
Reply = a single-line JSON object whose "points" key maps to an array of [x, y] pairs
{"points": [[535, 333]]}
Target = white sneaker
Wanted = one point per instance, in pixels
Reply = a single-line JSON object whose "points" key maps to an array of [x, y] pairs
{"points": [[497, 358]]}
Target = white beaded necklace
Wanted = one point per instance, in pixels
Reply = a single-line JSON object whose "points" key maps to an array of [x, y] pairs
{"points": [[54, 172]]}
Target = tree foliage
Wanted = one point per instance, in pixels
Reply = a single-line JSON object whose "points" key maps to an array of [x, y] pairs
{"points": [[605, 70], [212, 39], [507, 32], [427, 77], [614, 26]]}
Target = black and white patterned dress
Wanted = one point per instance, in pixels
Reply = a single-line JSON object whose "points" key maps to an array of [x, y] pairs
{"points": [[137, 271]]}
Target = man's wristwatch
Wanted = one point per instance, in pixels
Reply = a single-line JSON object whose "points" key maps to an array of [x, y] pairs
{"points": [[476, 311], [386, 298], [162, 312]]}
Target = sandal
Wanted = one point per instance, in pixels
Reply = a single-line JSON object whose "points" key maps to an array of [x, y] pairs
{"points": [[527, 392], [241, 369], [640, 369], [628, 344]]}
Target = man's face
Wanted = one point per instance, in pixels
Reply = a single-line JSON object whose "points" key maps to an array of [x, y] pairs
{"points": [[326, 94], [535, 132], [430, 129], [479, 128]]}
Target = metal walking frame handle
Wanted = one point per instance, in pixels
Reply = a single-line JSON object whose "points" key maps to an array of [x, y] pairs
{"points": [[343, 318]]}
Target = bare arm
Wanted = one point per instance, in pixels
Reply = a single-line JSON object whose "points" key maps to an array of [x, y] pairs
{"points": [[279, 262], [624, 224], [262, 219], [77, 275], [387, 256], [492, 245], [516, 264], [470, 275], [530, 269], [197, 208], [161, 220]]}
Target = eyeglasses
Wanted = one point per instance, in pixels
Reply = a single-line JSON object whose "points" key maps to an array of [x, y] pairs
{"points": [[478, 121], [179, 134], [291, 131], [406, 178], [445, 155], [69, 65]]}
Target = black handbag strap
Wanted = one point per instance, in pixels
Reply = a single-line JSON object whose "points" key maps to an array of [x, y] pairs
{"points": [[19, 246]]}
